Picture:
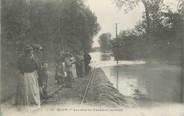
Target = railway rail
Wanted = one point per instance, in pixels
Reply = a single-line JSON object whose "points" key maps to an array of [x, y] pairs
{"points": [[84, 95], [87, 88], [49, 96]]}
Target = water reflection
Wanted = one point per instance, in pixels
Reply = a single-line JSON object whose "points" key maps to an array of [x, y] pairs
{"points": [[106, 57], [158, 83], [117, 75], [146, 83]]}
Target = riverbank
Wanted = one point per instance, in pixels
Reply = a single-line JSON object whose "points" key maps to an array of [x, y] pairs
{"points": [[102, 93]]}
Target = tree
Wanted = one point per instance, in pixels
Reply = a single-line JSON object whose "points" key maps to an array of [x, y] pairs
{"points": [[181, 8], [104, 41]]}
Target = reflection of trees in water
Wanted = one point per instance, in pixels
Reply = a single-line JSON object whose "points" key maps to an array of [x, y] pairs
{"points": [[152, 83], [130, 75], [119, 73], [105, 57], [116, 70], [114, 73]]}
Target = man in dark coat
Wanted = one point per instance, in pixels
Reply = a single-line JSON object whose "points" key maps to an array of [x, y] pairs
{"points": [[87, 60]]}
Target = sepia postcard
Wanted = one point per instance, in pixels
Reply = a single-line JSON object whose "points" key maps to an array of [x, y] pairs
{"points": [[92, 57]]}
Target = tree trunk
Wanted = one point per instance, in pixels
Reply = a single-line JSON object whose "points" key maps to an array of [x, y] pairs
{"points": [[147, 16], [145, 2]]}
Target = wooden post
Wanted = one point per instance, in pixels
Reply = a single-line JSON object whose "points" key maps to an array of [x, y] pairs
{"points": [[117, 43]]}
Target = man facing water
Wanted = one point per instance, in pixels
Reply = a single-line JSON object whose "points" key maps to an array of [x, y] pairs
{"points": [[87, 60]]}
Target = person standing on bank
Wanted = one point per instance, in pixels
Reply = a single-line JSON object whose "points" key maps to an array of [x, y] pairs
{"points": [[44, 80], [80, 65], [28, 89], [87, 60], [68, 68], [81, 58], [74, 73], [60, 69], [38, 54]]}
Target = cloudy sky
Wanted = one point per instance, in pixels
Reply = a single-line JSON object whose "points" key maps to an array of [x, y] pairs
{"points": [[108, 14]]}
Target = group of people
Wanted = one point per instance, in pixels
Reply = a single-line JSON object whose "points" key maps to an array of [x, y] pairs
{"points": [[32, 86], [33, 77], [70, 65]]}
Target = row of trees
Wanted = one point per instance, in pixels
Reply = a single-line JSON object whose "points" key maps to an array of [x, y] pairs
{"points": [[51, 23], [105, 41], [54, 24], [158, 36]]}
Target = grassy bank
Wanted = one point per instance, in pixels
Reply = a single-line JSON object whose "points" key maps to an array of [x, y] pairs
{"points": [[102, 93]]}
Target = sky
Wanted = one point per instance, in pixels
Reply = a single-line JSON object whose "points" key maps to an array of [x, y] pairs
{"points": [[108, 14]]}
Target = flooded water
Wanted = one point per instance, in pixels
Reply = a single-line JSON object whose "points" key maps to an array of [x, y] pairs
{"points": [[151, 83]]}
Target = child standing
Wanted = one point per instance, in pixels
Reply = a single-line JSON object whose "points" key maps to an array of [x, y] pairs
{"points": [[44, 79]]}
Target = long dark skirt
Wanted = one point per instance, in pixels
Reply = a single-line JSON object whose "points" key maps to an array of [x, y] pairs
{"points": [[69, 78], [87, 68], [79, 71], [28, 91]]}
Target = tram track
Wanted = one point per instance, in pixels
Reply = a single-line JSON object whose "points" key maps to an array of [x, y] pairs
{"points": [[49, 96], [87, 88], [84, 95]]}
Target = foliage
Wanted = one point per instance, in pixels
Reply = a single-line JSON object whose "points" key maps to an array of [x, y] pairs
{"points": [[165, 35], [104, 41], [53, 24], [181, 8]]}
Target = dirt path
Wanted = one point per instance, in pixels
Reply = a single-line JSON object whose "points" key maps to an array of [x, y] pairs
{"points": [[101, 93], [69, 96]]}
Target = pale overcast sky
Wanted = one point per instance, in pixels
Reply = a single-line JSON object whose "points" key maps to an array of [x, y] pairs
{"points": [[108, 14]]}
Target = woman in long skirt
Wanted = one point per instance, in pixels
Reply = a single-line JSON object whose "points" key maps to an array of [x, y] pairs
{"points": [[74, 73], [28, 95]]}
